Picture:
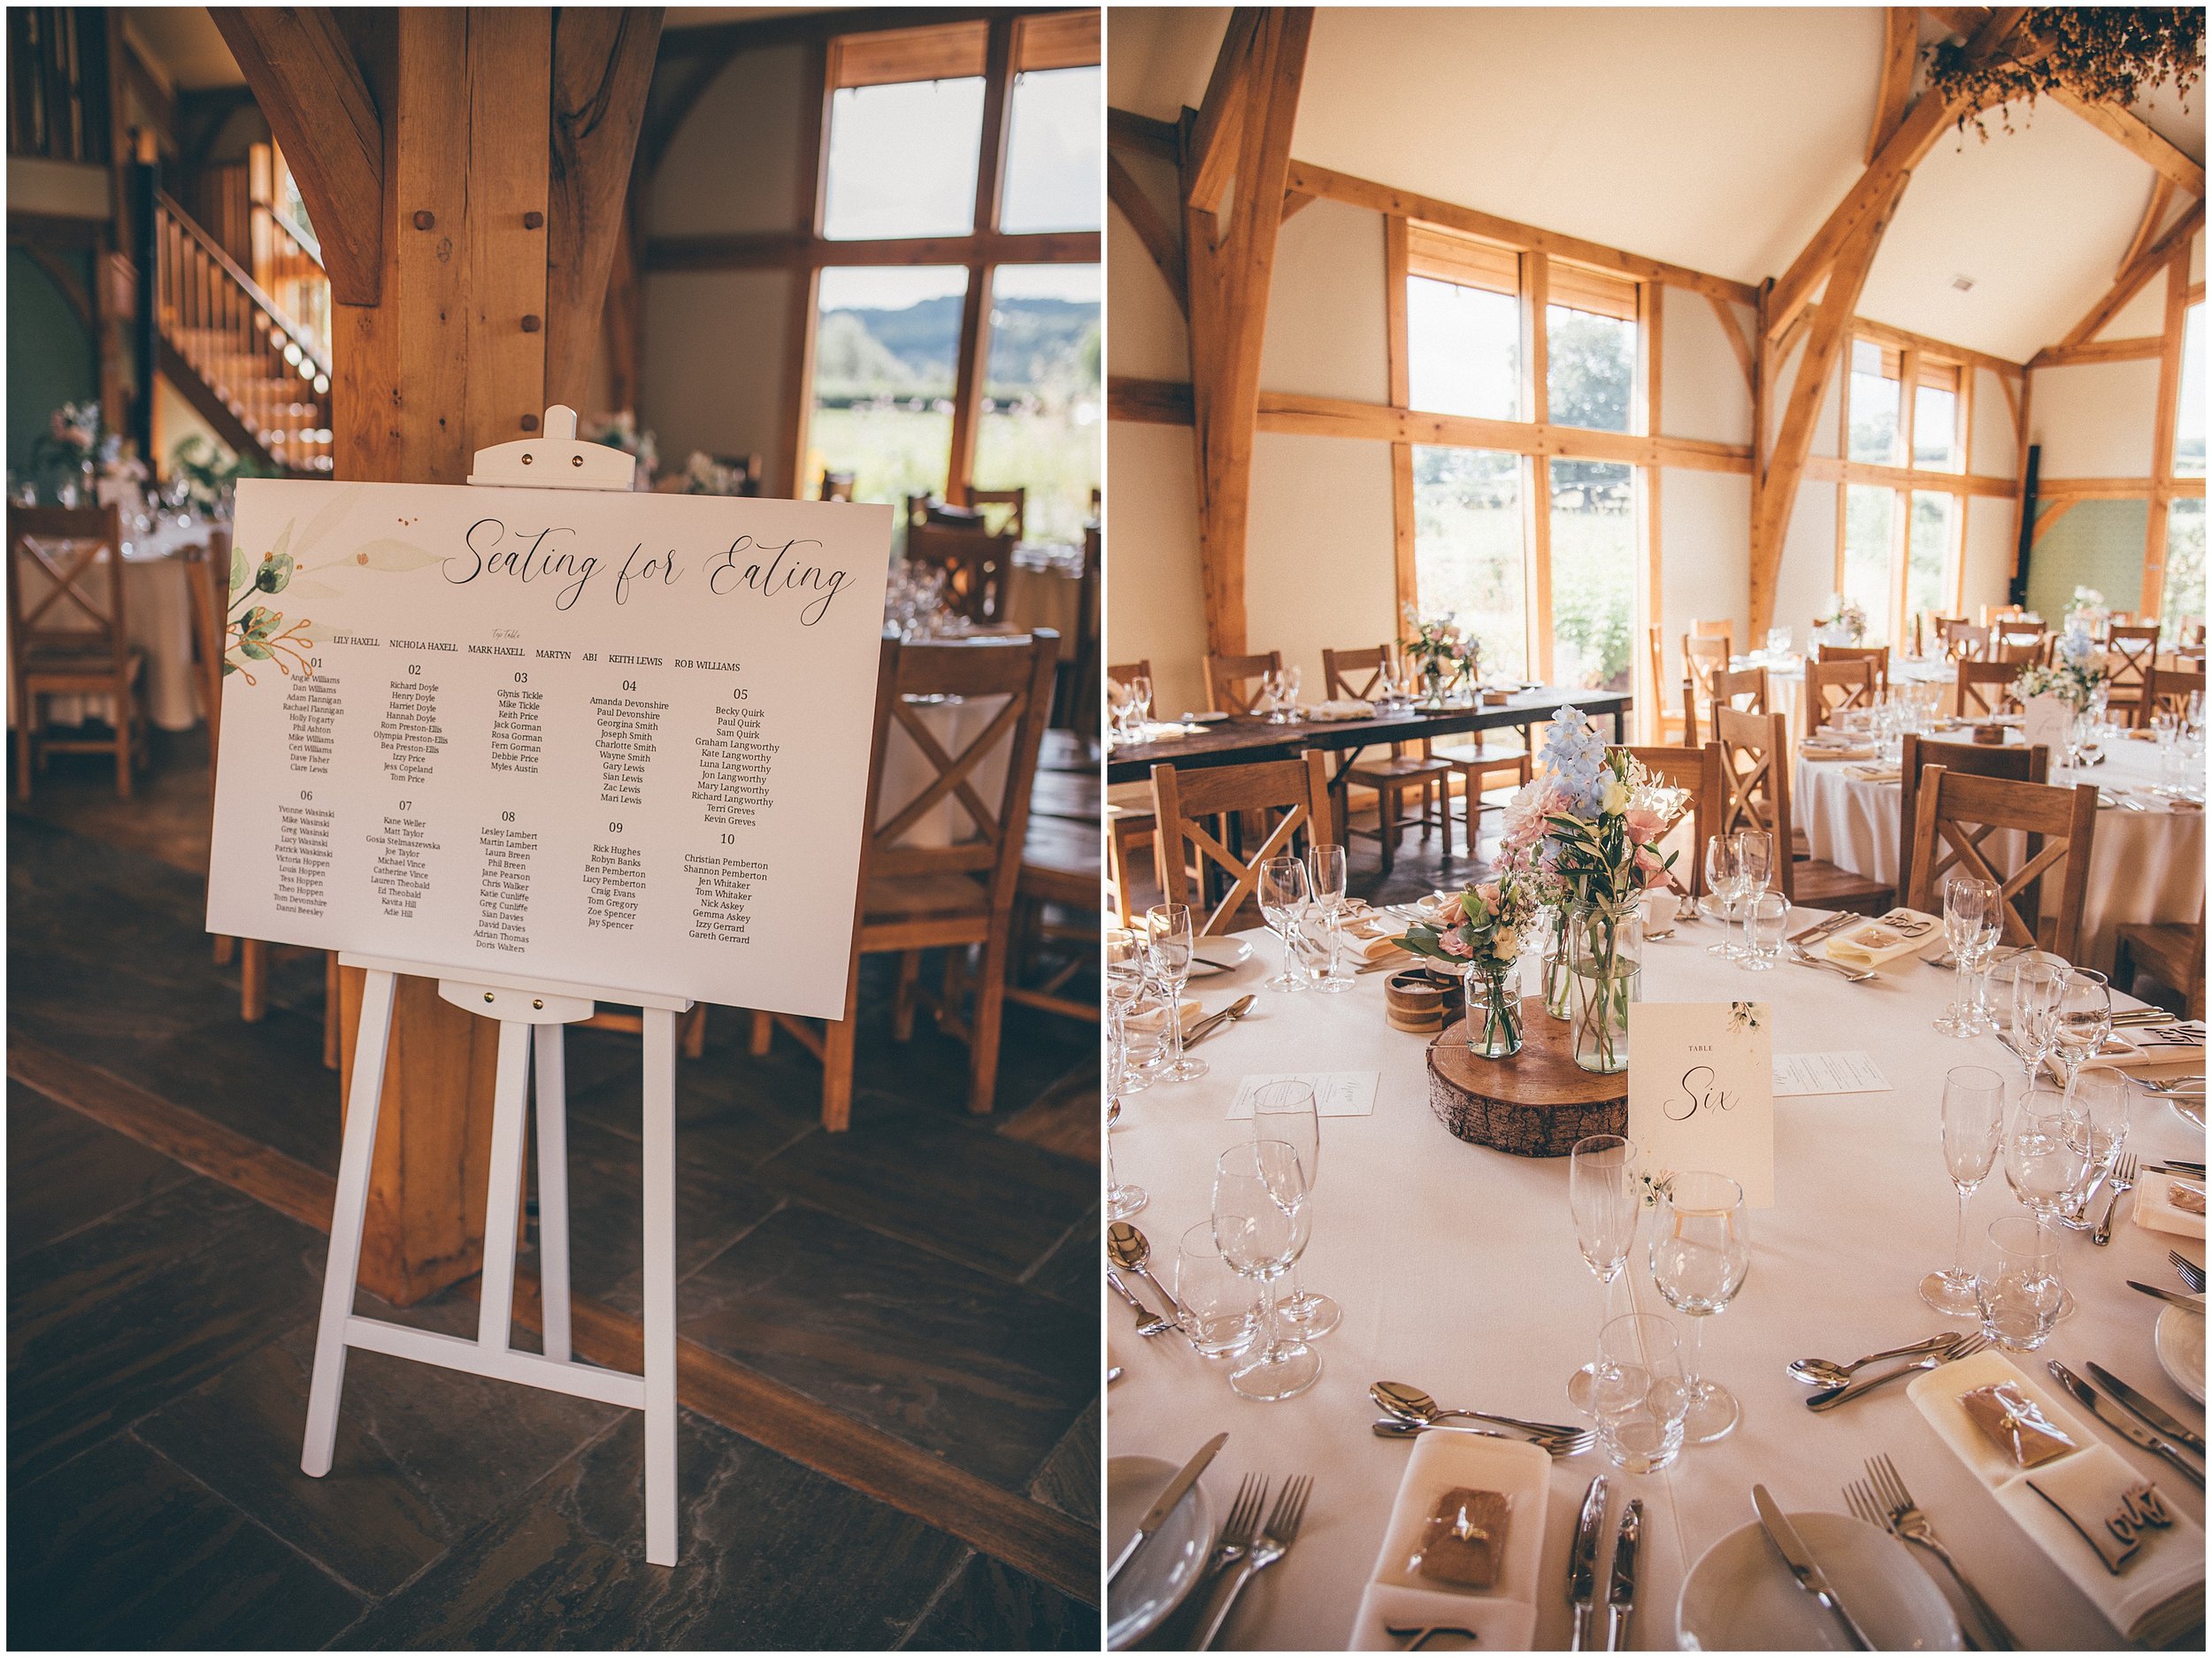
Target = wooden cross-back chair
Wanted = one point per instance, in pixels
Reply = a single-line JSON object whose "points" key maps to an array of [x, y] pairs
{"points": [[1667, 723], [2168, 688], [955, 897], [1700, 771], [1231, 681], [2017, 762], [68, 635], [1832, 686], [976, 565], [1961, 640], [1407, 768], [1722, 628], [1756, 794], [1750, 684], [1985, 689], [1015, 500], [2171, 952], [1956, 815], [1702, 657], [2129, 654], [2021, 652], [1288, 799], [1878, 655], [1129, 825]]}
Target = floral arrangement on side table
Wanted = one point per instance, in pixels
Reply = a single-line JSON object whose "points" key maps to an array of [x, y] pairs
{"points": [[1442, 648], [2075, 674], [1482, 935], [1843, 615], [2087, 609]]}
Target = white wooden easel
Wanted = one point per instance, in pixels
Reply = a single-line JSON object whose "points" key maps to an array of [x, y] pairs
{"points": [[531, 1012]]}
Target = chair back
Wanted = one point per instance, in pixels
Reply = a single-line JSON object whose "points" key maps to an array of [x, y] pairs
{"points": [[1832, 686], [1878, 655], [1700, 771], [1985, 689], [1956, 813], [65, 589], [2018, 762], [1721, 629], [837, 485], [1018, 668], [2168, 688], [1750, 683], [1755, 783], [2021, 652], [1014, 500], [976, 566], [207, 569], [1353, 673], [1961, 638], [1227, 677], [2130, 654], [1703, 657], [1125, 672], [1288, 797]]}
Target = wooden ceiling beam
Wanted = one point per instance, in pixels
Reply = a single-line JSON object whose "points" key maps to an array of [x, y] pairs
{"points": [[1737, 343], [2153, 216], [2147, 345], [2145, 266], [602, 68], [2140, 138], [309, 86], [796, 250], [1900, 45], [1127, 130], [1215, 135], [1150, 225]]}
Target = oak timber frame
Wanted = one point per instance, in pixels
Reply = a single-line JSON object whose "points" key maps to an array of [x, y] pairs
{"points": [[927, 43]]}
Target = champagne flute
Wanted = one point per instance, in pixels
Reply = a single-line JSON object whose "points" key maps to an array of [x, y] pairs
{"points": [[1754, 868], [1601, 1192], [1722, 876], [1169, 928], [2046, 1164], [1140, 702], [1126, 964], [1699, 1260], [2038, 983], [1283, 898], [1286, 1111], [1973, 1124], [1327, 875], [1122, 1201], [1261, 1223], [1972, 918]]}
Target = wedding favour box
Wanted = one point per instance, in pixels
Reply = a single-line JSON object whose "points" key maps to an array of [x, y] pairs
{"points": [[1504, 1616]]}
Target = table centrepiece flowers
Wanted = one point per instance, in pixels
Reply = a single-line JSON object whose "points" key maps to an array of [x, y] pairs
{"points": [[1443, 648], [2075, 674], [1842, 623], [1482, 934], [2087, 607], [1584, 837]]}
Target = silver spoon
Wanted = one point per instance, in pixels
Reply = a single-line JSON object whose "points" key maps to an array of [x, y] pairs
{"points": [[1130, 1252], [1830, 1373], [1229, 1015], [1408, 1403]]}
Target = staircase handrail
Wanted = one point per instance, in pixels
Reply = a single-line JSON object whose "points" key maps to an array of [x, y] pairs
{"points": [[230, 268]]}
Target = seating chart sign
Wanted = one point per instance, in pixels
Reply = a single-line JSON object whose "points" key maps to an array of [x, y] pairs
{"points": [[596, 737]]}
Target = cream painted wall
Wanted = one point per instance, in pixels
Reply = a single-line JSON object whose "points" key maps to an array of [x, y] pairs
{"points": [[1705, 572], [1993, 446], [1147, 339], [1156, 602], [1319, 570], [714, 363], [2093, 419], [1808, 575], [733, 164], [1328, 334], [1703, 392], [1990, 543]]}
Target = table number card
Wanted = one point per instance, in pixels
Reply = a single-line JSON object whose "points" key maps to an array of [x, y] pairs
{"points": [[610, 739], [1701, 1090], [2048, 720]]}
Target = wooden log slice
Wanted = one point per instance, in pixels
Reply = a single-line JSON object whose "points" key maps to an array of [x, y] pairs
{"points": [[1537, 1103]]}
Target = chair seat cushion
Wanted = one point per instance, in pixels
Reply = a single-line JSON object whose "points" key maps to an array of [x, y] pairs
{"points": [[1399, 769], [1824, 886], [48, 660], [910, 897]]}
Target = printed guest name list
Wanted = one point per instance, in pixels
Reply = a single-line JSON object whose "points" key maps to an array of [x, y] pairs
{"points": [[595, 738]]}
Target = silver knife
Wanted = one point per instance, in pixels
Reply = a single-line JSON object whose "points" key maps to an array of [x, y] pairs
{"points": [[1582, 1563], [2122, 1423], [1620, 1590], [1177, 1488], [2149, 1409], [1802, 1565], [2194, 1303]]}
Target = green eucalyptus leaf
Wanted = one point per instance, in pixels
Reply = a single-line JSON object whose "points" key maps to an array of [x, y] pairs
{"points": [[254, 648], [275, 573]]}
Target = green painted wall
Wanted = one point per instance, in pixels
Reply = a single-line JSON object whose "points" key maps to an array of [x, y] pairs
{"points": [[51, 359], [2098, 544]]}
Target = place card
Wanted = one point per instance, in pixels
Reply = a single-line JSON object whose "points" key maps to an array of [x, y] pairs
{"points": [[1335, 1093], [1827, 1073], [1701, 1090], [2049, 720]]}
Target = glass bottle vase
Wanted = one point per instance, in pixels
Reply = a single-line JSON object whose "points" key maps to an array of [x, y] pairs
{"points": [[1605, 960], [1493, 1012]]}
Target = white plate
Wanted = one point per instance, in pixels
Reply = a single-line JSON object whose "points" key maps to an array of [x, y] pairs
{"points": [[2188, 1111], [1740, 1597], [2179, 1337], [1161, 1573], [1209, 957]]}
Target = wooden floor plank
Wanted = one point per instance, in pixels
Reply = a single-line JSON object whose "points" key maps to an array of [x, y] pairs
{"points": [[1013, 1530]]}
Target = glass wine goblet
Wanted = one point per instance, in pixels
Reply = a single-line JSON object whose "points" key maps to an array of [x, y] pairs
{"points": [[1972, 919], [1601, 1192], [1284, 895], [1140, 702], [1723, 878], [1973, 1124], [1171, 938], [1261, 1222], [2047, 1163], [1286, 1111], [2039, 982], [1127, 962], [2082, 1022], [1699, 1257], [1122, 1201], [2094, 1109]]}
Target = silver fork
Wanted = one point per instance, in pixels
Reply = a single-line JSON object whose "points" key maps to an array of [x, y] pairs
{"points": [[2192, 1274], [1834, 1396], [1271, 1545], [1890, 1506], [1566, 1442], [1237, 1530], [1806, 958], [2122, 1181]]}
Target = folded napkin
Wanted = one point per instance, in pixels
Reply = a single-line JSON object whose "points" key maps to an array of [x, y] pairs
{"points": [[1871, 943], [1834, 748], [1342, 708], [1382, 944], [2155, 1209], [2148, 1047], [1155, 1018], [1878, 773], [2115, 1509], [2159, 1593], [1499, 1625]]}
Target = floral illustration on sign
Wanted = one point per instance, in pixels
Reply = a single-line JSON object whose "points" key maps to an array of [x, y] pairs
{"points": [[254, 630], [1743, 1017]]}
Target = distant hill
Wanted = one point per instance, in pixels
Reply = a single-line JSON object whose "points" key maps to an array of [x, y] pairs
{"points": [[866, 353]]}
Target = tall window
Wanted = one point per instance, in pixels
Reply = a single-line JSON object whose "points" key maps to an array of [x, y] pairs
{"points": [[2183, 596], [1897, 554], [2189, 423], [983, 373], [1479, 550]]}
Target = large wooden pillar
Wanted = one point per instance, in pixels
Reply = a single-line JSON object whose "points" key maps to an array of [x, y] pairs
{"points": [[425, 142]]}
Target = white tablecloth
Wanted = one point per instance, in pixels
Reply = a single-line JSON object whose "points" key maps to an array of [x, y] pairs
{"points": [[1786, 681], [1458, 1270], [157, 611], [2145, 865], [1042, 592]]}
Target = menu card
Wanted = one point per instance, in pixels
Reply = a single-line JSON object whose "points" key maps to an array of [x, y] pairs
{"points": [[2048, 720], [1701, 1090], [609, 738]]}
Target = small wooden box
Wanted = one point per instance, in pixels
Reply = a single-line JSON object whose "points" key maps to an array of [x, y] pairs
{"points": [[1419, 1001]]}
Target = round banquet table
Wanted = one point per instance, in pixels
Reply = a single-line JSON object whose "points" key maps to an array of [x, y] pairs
{"points": [[1457, 1271], [1785, 680], [1044, 588], [2145, 865]]}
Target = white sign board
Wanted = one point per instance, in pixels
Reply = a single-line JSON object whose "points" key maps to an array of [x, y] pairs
{"points": [[1701, 1090], [592, 736]]}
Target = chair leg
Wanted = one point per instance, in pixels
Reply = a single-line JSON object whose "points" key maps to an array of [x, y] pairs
{"points": [[983, 1033], [24, 741], [838, 1041], [659, 1159], [903, 995], [550, 1085], [332, 1024], [956, 967], [253, 973], [764, 1029], [225, 947], [695, 1031], [123, 727], [1387, 821]]}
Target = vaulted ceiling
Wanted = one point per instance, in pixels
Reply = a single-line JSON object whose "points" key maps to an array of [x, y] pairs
{"points": [[1715, 138]]}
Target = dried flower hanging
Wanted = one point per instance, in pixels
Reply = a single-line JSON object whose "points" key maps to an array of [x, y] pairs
{"points": [[2112, 55]]}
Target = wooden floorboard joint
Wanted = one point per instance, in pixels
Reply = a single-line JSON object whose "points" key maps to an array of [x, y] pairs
{"points": [[1014, 1529]]}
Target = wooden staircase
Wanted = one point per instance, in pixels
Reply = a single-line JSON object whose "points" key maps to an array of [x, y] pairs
{"points": [[255, 373]]}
